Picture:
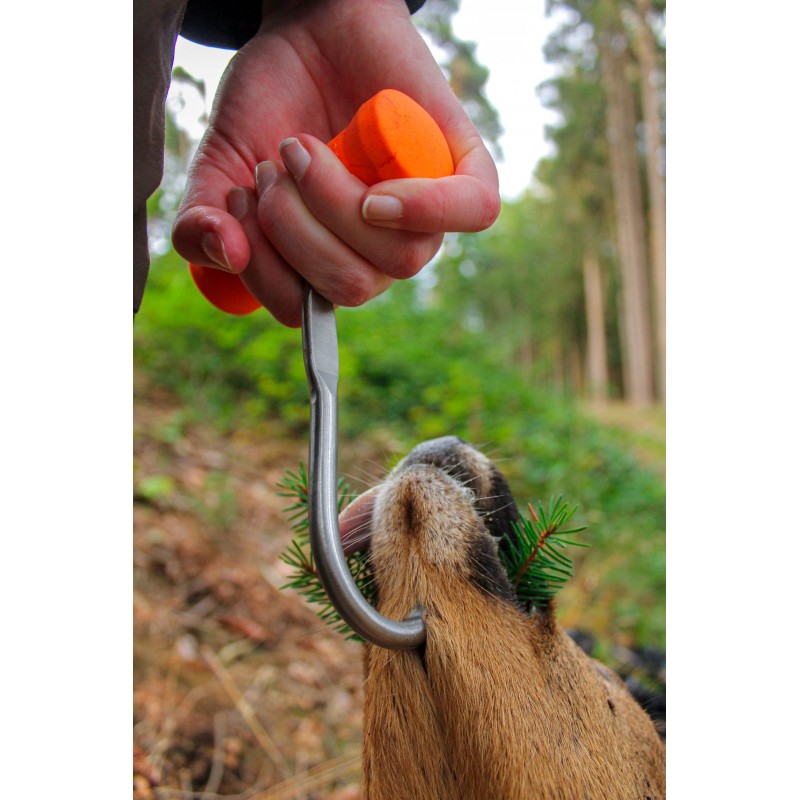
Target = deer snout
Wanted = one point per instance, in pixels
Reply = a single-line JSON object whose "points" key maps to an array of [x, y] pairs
{"points": [[423, 500]]}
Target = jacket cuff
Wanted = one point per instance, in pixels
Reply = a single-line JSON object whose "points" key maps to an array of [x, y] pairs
{"points": [[230, 25]]}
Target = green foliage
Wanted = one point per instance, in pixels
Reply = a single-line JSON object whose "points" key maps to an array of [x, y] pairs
{"points": [[305, 578], [155, 487], [218, 505], [532, 554], [227, 368]]}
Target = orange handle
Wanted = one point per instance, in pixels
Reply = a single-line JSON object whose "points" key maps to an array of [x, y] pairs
{"points": [[391, 136]]}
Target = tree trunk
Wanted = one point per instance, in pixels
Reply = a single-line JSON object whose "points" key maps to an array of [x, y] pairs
{"points": [[575, 369], [596, 356], [557, 366], [632, 245], [650, 71], [525, 356]]}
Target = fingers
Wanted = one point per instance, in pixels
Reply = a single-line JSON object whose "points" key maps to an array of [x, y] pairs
{"points": [[334, 197], [204, 233], [467, 201], [332, 267], [311, 220], [459, 203], [267, 277]]}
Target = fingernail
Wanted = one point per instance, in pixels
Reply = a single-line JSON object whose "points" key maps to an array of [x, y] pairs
{"points": [[238, 202], [295, 156], [214, 248], [266, 173], [382, 208]]}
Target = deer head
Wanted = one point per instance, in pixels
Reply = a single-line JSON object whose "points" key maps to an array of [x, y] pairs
{"points": [[499, 703]]}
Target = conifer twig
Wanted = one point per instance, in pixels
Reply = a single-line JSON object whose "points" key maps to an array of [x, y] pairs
{"points": [[532, 553]]}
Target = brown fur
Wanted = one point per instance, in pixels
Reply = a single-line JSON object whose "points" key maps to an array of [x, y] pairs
{"points": [[499, 704]]}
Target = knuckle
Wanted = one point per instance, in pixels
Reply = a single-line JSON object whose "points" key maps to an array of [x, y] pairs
{"points": [[440, 209], [270, 214], [290, 317], [405, 271], [351, 290], [473, 210], [408, 259], [361, 298], [489, 210]]}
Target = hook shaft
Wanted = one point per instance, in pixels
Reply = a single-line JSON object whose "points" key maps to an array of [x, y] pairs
{"points": [[321, 357]]}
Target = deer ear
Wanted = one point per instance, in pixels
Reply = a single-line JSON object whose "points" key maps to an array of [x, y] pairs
{"points": [[355, 522]]}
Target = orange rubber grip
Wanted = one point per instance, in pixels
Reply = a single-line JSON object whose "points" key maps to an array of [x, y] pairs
{"points": [[391, 136]]}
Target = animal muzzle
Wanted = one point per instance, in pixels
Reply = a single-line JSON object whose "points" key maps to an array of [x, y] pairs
{"points": [[448, 456]]}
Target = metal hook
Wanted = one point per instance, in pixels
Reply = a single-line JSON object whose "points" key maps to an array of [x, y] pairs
{"points": [[321, 357]]}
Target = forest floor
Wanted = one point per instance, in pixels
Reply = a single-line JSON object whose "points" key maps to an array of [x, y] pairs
{"points": [[239, 690]]}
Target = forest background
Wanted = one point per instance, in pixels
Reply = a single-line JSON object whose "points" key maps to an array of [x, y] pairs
{"points": [[733, 431], [543, 338], [732, 398]]}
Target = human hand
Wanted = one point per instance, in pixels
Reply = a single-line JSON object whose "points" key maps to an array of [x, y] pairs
{"points": [[301, 79]]}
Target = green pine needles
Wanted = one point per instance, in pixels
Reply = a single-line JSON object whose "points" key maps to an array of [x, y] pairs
{"points": [[533, 555], [305, 578]]}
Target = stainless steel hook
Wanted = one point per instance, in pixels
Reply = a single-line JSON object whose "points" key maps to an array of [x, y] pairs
{"points": [[321, 357]]}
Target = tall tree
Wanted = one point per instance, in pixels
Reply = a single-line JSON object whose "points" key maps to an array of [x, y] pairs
{"points": [[631, 231], [594, 34], [596, 351], [651, 81], [580, 191]]}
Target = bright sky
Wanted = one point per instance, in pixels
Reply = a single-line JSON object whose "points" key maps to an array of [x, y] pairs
{"points": [[510, 37]]}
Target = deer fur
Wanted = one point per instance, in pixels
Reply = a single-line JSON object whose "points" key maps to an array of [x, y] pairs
{"points": [[498, 704]]}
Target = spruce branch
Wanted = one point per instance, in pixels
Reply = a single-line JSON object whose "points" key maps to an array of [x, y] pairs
{"points": [[532, 553], [305, 578]]}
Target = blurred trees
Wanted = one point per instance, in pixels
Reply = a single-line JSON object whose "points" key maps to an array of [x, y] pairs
{"points": [[651, 82], [569, 285], [573, 275], [609, 93], [458, 60]]}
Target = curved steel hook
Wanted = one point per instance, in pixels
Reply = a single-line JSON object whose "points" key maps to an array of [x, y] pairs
{"points": [[321, 357]]}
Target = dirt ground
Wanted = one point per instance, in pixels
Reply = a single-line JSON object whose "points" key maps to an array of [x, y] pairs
{"points": [[239, 690]]}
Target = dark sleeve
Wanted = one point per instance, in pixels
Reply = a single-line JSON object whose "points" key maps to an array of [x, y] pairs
{"points": [[232, 23]]}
